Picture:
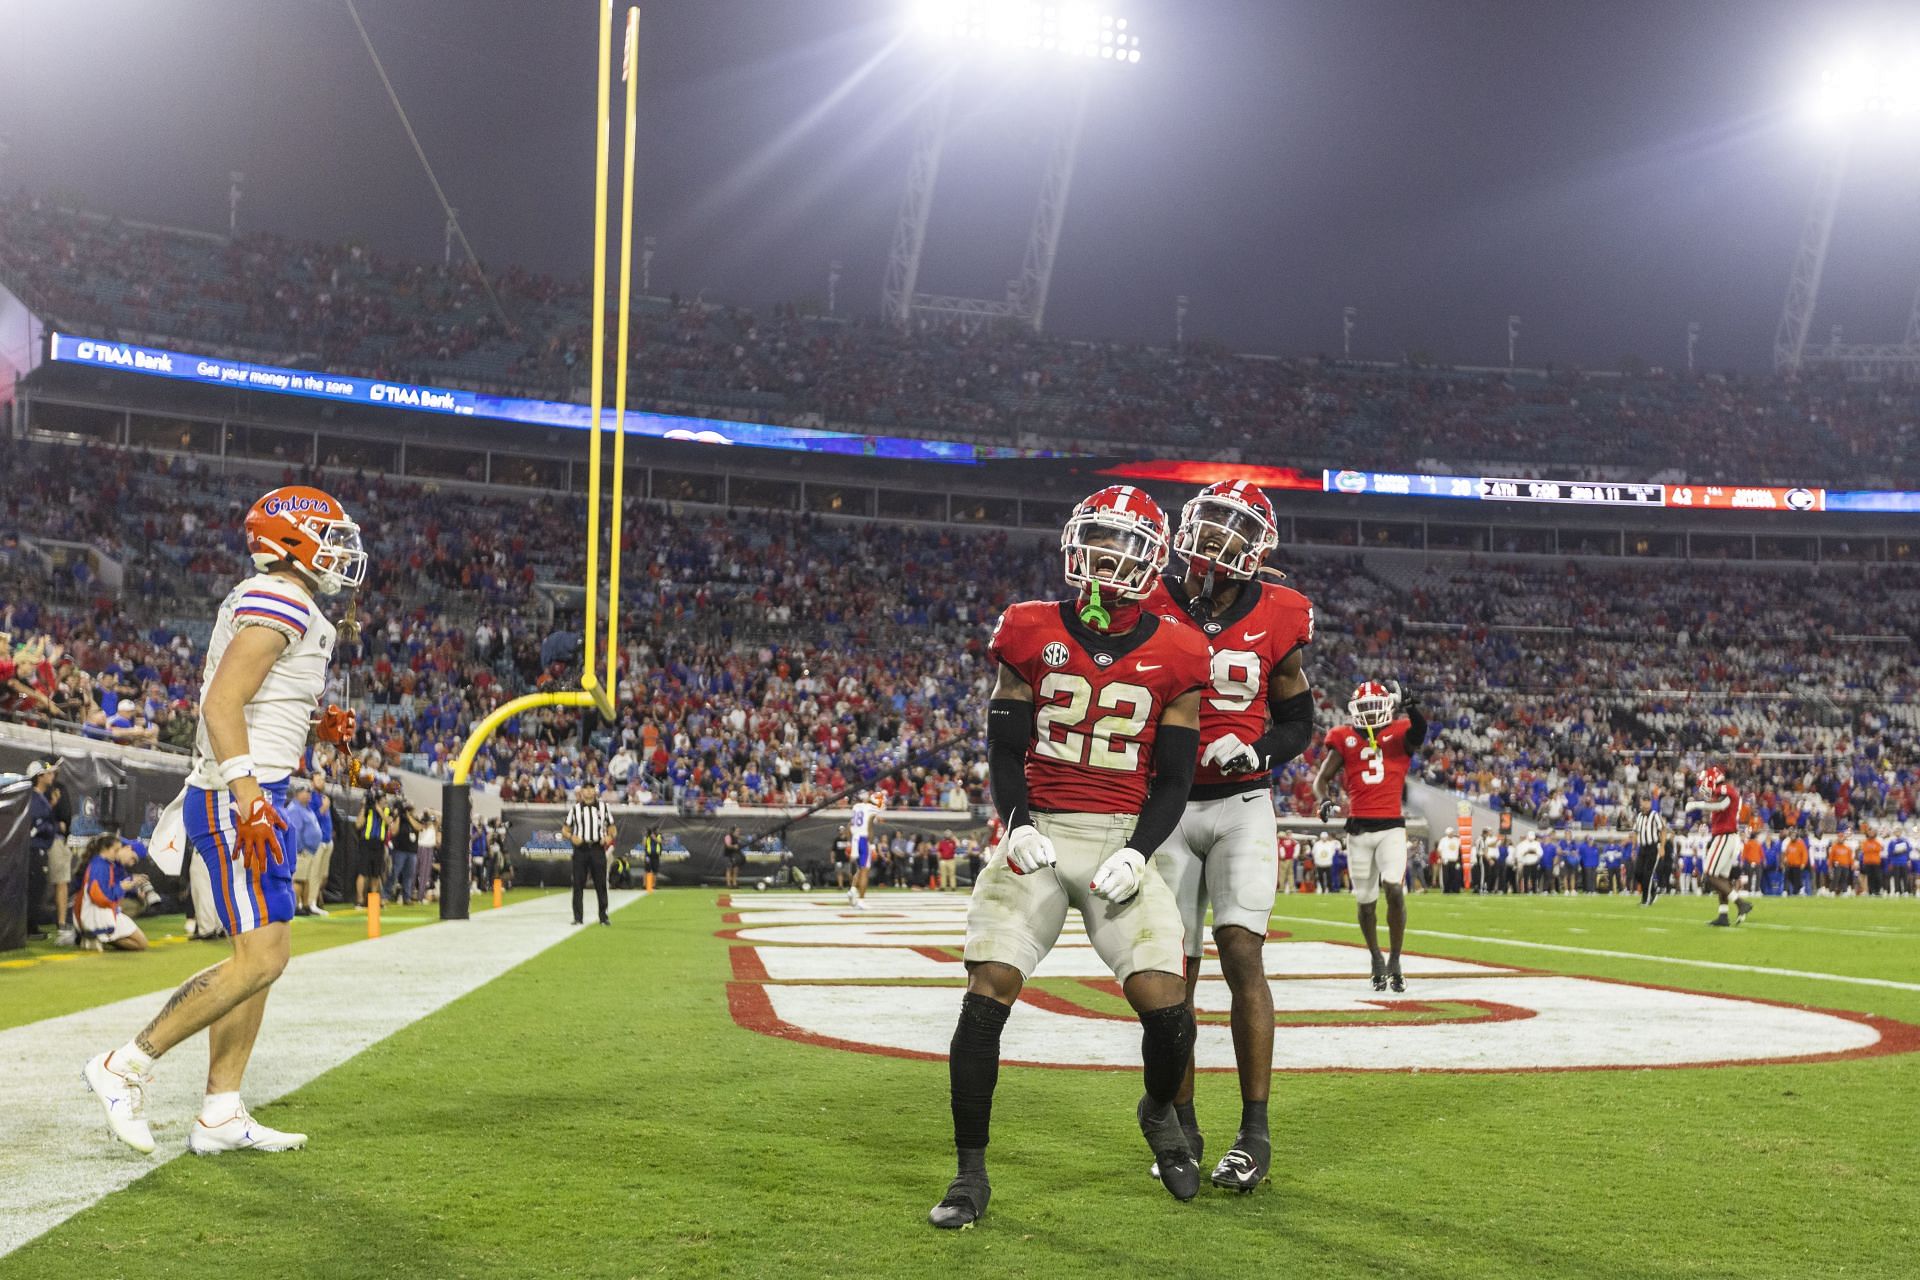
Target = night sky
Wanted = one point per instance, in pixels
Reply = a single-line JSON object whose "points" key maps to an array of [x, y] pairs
{"points": [[1609, 170]]}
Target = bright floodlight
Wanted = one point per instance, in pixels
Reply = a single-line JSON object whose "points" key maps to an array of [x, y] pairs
{"points": [[1059, 28], [1867, 88]]}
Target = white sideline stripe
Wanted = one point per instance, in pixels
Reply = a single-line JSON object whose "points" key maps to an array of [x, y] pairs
{"points": [[1883, 933], [56, 1156], [1632, 955]]}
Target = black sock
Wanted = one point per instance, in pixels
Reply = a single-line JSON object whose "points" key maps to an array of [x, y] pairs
{"points": [[1165, 1045], [1253, 1118], [973, 1068], [1183, 1112], [973, 1159]]}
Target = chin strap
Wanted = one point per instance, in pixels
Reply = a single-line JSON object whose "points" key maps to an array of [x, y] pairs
{"points": [[1092, 613], [1202, 605]]}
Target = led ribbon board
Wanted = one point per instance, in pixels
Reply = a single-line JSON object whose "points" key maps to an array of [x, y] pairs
{"points": [[221, 372]]}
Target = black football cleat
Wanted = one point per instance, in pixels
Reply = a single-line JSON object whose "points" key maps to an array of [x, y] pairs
{"points": [[1745, 909], [1245, 1165], [1719, 922], [964, 1204], [1179, 1172], [1395, 982], [1379, 977], [1196, 1143]]}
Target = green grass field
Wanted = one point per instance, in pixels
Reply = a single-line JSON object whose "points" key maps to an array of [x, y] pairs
{"points": [[597, 1112]]}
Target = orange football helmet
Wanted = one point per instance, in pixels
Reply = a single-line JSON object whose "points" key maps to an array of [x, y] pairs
{"points": [[308, 528]]}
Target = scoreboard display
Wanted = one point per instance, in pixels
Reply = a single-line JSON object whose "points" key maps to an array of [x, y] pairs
{"points": [[1584, 493]]}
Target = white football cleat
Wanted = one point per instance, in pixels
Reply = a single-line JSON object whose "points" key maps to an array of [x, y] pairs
{"points": [[240, 1132], [319, 910], [124, 1095]]}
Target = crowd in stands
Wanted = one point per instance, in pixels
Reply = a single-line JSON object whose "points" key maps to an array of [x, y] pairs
{"points": [[342, 308], [785, 659]]}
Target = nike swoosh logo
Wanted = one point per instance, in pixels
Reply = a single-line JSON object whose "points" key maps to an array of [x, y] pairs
{"points": [[1141, 666], [1251, 636]]}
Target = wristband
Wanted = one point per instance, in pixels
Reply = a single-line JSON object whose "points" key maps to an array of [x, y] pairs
{"points": [[234, 767]]}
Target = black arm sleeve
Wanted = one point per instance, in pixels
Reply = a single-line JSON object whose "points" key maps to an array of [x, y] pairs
{"points": [[1009, 732], [1416, 729], [1290, 731], [1175, 753]]}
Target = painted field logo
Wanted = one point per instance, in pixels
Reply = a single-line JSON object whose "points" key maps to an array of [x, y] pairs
{"points": [[886, 982]]}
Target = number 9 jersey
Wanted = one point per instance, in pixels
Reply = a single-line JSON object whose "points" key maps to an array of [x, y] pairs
{"points": [[1097, 701], [1247, 644]]}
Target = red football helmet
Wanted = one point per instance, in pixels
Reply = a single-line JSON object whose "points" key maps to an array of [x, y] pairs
{"points": [[1712, 778], [1116, 540], [1371, 705], [1228, 527], [309, 528]]}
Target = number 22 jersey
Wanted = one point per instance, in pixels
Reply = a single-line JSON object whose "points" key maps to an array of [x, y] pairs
{"points": [[1097, 701]]}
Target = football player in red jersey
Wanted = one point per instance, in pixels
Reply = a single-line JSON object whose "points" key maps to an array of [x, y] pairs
{"points": [[1092, 735], [1374, 752], [1720, 801], [1256, 714]]}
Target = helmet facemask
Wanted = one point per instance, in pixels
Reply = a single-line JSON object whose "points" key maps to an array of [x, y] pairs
{"points": [[1225, 535], [338, 559], [1113, 551], [1371, 707]]}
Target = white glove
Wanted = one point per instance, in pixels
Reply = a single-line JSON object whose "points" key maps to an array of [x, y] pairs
{"points": [[1028, 850], [1393, 689], [1231, 755], [1118, 878]]}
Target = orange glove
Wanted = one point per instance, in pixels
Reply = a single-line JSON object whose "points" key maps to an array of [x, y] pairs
{"points": [[255, 833], [337, 725]]}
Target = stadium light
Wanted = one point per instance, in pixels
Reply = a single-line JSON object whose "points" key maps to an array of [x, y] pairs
{"points": [[1862, 88], [1068, 31]]}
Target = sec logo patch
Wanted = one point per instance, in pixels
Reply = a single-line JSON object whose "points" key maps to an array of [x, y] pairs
{"points": [[1054, 655]]}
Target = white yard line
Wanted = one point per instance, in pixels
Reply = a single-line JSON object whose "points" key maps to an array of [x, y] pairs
{"points": [[1628, 955], [1884, 933], [56, 1157]]}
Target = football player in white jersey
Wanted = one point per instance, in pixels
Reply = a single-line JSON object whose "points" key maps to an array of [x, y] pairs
{"points": [[265, 673], [866, 816]]}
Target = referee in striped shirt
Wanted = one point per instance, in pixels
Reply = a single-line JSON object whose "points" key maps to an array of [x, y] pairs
{"points": [[1650, 836], [590, 829]]}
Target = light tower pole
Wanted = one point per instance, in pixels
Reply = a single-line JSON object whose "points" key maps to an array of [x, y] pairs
{"points": [[646, 264], [1347, 316], [916, 206], [1513, 338], [453, 225], [833, 286], [1043, 239], [234, 180], [1063, 34], [1868, 95], [1693, 340], [1180, 323], [1809, 261]]}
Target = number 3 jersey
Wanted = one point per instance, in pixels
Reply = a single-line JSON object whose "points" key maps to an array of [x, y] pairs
{"points": [[1097, 701], [1265, 623], [1376, 767]]}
